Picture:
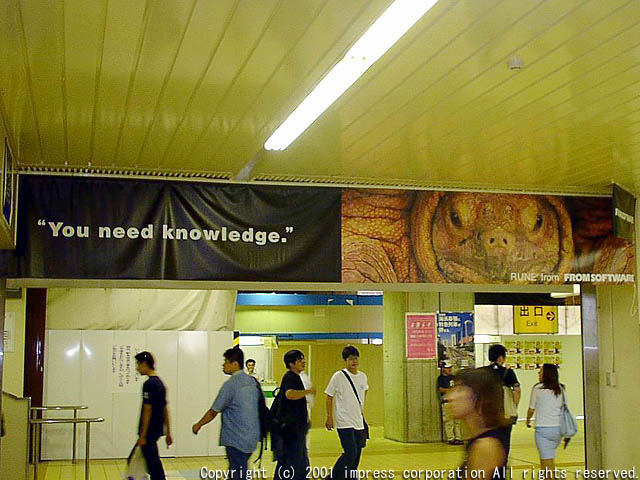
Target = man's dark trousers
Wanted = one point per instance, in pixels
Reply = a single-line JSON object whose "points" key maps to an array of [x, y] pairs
{"points": [[350, 439], [294, 462], [154, 465], [238, 461]]}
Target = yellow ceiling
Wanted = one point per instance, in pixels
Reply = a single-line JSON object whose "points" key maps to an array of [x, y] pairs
{"points": [[196, 86]]}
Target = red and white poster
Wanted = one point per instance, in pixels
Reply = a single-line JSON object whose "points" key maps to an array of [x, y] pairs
{"points": [[421, 336]]}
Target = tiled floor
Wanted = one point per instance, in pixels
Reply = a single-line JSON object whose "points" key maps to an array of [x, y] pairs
{"points": [[380, 454]]}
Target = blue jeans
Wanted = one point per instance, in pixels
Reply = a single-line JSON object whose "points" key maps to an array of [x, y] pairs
{"points": [[350, 439], [238, 461]]}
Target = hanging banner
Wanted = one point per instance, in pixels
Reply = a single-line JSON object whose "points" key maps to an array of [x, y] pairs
{"points": [[124, 229], [535, 319], [90, 228], [400, 236], [421, 336], [624, 212], [455, 339]]}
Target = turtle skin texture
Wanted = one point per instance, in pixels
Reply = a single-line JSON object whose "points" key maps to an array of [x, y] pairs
{"points": [[491, 238], [399, 236]]}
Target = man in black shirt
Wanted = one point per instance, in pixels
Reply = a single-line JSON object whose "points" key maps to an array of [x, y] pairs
{"points": [[154, 416], [508, 378], [292, 456]]}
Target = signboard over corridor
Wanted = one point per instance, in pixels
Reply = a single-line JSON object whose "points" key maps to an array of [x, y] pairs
{"points": [[92, 228]]}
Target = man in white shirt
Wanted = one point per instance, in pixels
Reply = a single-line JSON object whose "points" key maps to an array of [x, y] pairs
{"points": [[349, 417]]}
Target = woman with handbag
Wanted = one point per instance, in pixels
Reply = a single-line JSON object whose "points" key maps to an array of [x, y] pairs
{"points": [[547, 399]]}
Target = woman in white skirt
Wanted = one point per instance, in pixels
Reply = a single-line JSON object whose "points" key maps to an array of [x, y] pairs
{"points": [[546, 402]]}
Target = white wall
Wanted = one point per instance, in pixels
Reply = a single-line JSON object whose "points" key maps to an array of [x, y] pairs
{"points": [[13, 373], [78, 370], [139, 309], [619, 352]]}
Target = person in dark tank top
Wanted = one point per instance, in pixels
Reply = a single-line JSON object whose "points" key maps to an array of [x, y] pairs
{"points": [[477, 400]]}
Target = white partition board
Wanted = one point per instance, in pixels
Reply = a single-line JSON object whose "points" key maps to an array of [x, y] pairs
{"points": [[218, 343], [83, 367], [62, 387]]}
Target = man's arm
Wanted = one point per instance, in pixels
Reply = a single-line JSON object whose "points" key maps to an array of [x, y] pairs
{"points": [[146, 419], [167, 424], [516, 395], [292, 394], [206, 418], [329, 405]]}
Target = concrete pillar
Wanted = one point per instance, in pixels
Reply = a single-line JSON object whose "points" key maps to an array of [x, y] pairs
{"points": [[411, 401]]}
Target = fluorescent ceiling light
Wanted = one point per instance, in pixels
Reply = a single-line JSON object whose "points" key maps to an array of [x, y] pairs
{"points": [[562, 294], [385, 31]]}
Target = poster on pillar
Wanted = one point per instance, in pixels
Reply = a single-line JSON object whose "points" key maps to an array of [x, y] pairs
{"points": [[455, 339], [160, 230], [403, 236], [420, 335]]}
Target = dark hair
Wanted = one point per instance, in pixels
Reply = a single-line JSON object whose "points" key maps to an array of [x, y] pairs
{"points": [[234, 355], [348, 351], [249, 360], [550, 378], [292, 356], [147, 358], [488, 393], [497, 351]]}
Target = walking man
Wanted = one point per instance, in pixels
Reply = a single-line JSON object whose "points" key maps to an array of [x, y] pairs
{"points": [[346, 394], [291, 450], [452, 426], [154, 416], [508, 378], [237, 401]]}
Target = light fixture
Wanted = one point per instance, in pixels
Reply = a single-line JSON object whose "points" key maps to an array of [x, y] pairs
{"points": [[385, 31]]}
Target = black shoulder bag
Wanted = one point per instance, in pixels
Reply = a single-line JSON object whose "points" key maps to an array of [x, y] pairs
{"points": [[365, 435]]}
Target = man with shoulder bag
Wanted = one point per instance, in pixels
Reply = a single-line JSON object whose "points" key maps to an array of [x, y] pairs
{"points": [[346, 392], [511, 390]]}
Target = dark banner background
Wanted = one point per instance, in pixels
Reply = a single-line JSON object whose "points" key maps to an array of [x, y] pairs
{"points": [[310, 252]]}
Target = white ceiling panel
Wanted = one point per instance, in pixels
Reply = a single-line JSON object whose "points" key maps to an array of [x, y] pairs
{"points": [[195, 87]]}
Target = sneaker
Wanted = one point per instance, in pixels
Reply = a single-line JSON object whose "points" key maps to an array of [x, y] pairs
{"points": [[458, 442], [452, 442]]}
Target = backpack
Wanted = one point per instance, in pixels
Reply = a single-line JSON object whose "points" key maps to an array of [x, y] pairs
{"points": [[264, 416], [281, 423]]}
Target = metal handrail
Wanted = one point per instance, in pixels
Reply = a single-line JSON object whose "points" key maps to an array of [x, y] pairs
{"points": [[60, 407], [38, 425], [40, 421], [75, 409]]}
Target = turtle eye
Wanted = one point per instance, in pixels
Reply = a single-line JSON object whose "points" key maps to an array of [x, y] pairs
{"points": [[538, 224], [455, 218]]}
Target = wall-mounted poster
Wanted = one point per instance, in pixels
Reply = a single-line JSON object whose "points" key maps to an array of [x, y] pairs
{"points": [[455, 338], [125, 378], [530, 362], [421, 336]]}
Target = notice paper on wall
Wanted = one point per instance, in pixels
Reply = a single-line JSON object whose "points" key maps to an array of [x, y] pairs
{"points": [[9, 333], [125, 378], [421, 336]]}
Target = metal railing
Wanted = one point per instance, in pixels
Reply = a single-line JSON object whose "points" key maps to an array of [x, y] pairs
{"points": [[38, 423], [75, 408]]}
